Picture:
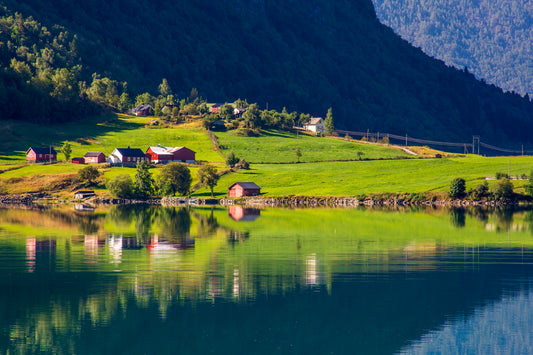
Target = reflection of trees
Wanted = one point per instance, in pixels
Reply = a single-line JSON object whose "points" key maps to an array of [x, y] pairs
{"points": [[121, 215], [503, 218], [458, 217], [528, 218], [175, 223]]}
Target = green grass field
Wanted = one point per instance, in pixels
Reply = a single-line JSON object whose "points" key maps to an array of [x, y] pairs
{"points": [[393, 174], [274, 146], [376, 176], [102, 134]]}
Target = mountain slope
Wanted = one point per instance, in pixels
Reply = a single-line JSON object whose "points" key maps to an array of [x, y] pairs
{"points": [[493, 38], [306, 55]]}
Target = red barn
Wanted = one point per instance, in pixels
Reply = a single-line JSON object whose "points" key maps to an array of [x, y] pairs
{"points": [[78, 160], [241, 189], [41, 155], [94, 157], [165, 155]]}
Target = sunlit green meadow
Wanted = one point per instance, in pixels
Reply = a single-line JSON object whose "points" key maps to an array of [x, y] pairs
{"points": [[274, 146], [377, 176]]}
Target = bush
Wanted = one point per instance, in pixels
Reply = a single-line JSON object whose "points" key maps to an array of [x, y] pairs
{"points": [[503, 189], [231, 159], [500, 175], [121, 186], [89, 173], [457, 187], [481, 190]]}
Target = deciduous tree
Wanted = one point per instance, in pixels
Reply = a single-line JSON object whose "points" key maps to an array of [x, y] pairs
{"points": [[208, 177]]}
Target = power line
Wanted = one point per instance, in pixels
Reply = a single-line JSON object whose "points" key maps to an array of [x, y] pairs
{"points": [[465, 146]]}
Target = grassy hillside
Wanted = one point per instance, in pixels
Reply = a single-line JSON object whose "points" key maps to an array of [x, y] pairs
{"points": [[277, 146], [307, 56], [389, 169], [102, 134]]}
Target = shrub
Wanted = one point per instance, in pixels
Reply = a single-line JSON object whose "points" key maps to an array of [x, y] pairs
{"points": [[231, 159], [503, 188], [500, 175], [457, 187], [121, 186], [89, 173], [481, 190]]}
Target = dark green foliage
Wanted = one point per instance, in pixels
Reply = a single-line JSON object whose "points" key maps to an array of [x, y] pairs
{"points": [[121, 186], [88, 173], [144, 183], [208, 177], [503, 188], [66, 149], [328, 122], [481, 190], [500, 175], [457, 188], [306, 56], [231, 159], [489, 37], [175, 178]]}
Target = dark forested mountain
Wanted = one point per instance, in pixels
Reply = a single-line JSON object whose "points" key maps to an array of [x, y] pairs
{"points": [[492, 38], [307, 55]]}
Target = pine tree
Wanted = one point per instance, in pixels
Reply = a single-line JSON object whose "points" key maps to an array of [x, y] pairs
{"points": [[328, 123]]}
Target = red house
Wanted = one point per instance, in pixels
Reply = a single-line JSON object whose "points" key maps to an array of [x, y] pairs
{"points": [[163, 155], [215, 108], [241, 189], [94, 157], [78, 160], [41, 155], [142, 110]]}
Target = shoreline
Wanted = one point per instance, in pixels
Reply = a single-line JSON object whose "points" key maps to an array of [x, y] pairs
{"points": [[43, 200]]}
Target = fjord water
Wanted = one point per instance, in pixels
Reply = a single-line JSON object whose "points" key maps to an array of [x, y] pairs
{"points": [[147, 280]]}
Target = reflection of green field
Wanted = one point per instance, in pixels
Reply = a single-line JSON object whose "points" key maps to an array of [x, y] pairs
{"points": [[378, 176], [274, 146]]}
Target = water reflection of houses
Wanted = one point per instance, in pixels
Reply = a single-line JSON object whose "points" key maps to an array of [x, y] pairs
{"points": [[239, 213], [36, 248]]}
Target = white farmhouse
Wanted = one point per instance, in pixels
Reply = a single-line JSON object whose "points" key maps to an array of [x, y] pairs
{"points": [[316, 125]]}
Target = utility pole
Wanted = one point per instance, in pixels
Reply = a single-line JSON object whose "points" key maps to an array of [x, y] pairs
{"points": [[406, 139], [367, 130]]}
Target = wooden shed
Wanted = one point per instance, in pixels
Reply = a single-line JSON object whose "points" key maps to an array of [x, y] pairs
{"points": [[241, 189], [78, 160], [94, 157]]}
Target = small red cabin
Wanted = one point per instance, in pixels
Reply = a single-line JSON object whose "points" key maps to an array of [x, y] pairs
{"points": [[41, 155], [241, 189], [78, 160], [94, 157]]}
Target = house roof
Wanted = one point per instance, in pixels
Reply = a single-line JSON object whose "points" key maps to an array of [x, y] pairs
{"points": [[314, 120], [159, 150], [131, 152], [246, 185], [92, 154], [141, 108], [42, 150]]}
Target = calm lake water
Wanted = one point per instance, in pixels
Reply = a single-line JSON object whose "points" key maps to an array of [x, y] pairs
{"points": [[146, 280]]}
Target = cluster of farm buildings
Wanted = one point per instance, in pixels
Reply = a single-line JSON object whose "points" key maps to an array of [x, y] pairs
{"points": [[120, 156], [129, 157]]}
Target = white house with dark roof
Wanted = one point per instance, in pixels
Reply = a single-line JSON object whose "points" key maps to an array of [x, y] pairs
{"points": [[316, 125], [127, 157]]}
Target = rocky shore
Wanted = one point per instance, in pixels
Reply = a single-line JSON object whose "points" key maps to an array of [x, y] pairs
{"points": [[44, 199]]}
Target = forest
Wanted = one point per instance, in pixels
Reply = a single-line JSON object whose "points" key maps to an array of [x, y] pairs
{"points": [[492, 38], [63, 60]]}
